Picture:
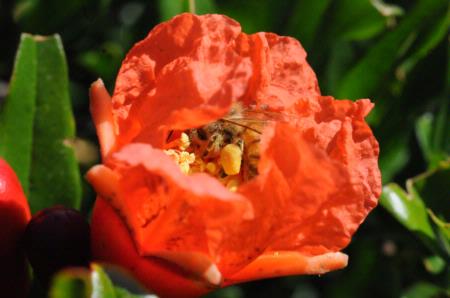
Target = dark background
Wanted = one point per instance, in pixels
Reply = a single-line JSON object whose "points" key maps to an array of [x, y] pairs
{"points": [[393, 52]]}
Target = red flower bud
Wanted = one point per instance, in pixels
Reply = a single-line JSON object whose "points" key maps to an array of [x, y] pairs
{"points": [[14, 216]]}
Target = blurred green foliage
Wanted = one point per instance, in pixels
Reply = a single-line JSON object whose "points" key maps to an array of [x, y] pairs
{"points": [[393, 52]]}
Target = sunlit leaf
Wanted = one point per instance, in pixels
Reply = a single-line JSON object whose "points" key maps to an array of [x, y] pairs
{"points": [[409, 211]]}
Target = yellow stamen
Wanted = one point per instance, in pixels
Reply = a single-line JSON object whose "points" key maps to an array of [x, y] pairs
{"points": [[173, 154], [184, 141], [183, 159], [230, 159], [233, 184], [211, 168]]}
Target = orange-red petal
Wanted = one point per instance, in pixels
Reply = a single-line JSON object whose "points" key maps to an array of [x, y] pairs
{"points": [[282, 263]]}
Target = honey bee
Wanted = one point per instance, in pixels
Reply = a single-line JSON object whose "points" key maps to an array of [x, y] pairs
{"points": [[242, 127]]}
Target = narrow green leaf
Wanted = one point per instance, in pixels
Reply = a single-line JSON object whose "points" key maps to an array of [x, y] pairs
{"points": [[55, 177], [365, 78], [17, 112]]}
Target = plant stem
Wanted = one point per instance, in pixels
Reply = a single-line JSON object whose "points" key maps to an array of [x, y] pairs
{"points": [[192, 6]]}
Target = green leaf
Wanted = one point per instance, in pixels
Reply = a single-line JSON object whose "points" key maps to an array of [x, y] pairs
{"points": [[84, 283], [101, 284], [427, 41], [424, 290], [37, 125], [423, 209], [409, 211], [55, 177], [17, 112], [71, 283], [370, 72], [434, 264]]}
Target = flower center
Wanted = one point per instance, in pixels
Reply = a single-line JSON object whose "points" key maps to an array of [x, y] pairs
{"points": [[227, 149]]}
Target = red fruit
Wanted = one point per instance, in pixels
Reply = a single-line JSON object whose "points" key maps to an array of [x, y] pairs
{"points": [[14, 216]]}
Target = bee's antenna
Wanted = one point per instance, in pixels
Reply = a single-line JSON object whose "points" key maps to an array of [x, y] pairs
{"points": [[240, 124]]}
